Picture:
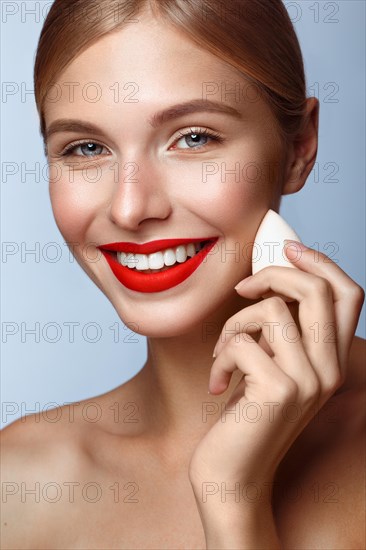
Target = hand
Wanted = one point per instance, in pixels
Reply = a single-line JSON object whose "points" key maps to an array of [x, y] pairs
{"points": [[282, 390]]}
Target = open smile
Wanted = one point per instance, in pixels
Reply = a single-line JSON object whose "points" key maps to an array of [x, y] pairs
{"points": [[158, 265]]}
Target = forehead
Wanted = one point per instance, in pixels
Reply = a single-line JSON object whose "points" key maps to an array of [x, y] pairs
{"points": [[147, 62]]}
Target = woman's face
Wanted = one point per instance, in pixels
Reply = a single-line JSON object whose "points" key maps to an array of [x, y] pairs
{"points": [[139, 180]]}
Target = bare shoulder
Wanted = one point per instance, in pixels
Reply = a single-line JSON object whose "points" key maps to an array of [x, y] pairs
{"points": [[349, 400], [52, 463], [40, 457]]}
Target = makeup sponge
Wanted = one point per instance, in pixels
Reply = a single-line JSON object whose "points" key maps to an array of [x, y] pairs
{"points": [[268, 242]]}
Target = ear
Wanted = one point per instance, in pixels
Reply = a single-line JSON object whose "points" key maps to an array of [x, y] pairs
{"points": [[302, 151]]}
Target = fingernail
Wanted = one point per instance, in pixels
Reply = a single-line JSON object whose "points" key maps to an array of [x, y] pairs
{"points": [[294, 249], [243, 282], [214, 354]]}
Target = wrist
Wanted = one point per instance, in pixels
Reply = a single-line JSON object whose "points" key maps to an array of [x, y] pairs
{"points": [[223, 495], [241, 529], [231, 520]]}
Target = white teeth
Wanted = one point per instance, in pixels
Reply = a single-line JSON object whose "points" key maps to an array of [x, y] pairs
{"points": [[191, 250], [181, 253], [158, 260], [128, 259], [141, 262], [169, 257]]}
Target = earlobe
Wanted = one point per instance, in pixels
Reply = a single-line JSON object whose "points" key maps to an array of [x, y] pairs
{"points": [[295, 178], [303, 150]]}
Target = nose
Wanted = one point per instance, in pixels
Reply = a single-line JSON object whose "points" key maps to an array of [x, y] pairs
{"points": [[139, 195]]}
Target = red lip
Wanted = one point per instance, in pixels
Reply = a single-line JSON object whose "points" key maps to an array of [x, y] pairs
{"points": [[154, 282], [150, 247]]}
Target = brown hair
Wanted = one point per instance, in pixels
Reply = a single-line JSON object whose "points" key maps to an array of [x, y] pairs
{"points": [[254, 36]]}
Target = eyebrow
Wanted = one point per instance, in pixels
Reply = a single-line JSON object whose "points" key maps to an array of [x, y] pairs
{"points": [[158, 119], [194, 106]]}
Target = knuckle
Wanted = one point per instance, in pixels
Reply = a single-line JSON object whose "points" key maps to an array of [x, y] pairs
{"points": [[333, 383], [286, 389], [234, 343], [239, 340], [274, 306], [311, 389], [357, 294], [321, 286]]}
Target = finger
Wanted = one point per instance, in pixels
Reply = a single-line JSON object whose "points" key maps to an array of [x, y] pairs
{"points": [[347, 294], [261, 373], [316, 315], [281, 334]]}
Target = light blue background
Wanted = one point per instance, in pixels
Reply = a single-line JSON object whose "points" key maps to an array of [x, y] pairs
{"points": [[43, 375]]}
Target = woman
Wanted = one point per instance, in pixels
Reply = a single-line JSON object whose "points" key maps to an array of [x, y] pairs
{"points": [[142, 138]]}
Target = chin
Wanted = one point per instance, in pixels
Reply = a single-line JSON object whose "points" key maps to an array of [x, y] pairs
{"points": [[165, 320]]}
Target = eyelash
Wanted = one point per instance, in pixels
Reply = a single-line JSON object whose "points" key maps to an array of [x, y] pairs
{"points": [[67, 151]]}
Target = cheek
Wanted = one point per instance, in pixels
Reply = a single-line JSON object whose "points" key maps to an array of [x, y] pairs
{"points": [[256, 182], [75, 202], [71, 214], [245, 182]]}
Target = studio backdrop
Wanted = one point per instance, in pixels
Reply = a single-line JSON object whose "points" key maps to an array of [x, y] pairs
{"points": [[62, 341]]}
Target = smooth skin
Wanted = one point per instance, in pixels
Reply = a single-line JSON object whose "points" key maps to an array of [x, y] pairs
{"points": [[155, 470]]}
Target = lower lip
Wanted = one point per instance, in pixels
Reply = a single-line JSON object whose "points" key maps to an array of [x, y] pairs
{"points": [[156, 282]]}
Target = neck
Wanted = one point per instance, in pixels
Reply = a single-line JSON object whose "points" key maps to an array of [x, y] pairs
{"points": [[173, 384]]}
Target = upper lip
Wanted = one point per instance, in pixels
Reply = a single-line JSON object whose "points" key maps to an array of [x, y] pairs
{"points": [[152, 246]]}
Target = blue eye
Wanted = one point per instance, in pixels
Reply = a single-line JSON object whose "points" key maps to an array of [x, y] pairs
{"points": [[90, 148], [195, 135], [192, 138]]}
